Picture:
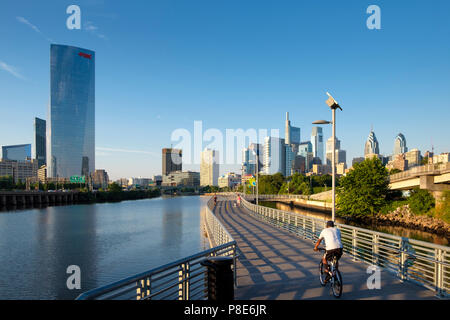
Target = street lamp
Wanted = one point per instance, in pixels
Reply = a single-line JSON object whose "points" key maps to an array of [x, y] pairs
{"points": [[333, 106]]}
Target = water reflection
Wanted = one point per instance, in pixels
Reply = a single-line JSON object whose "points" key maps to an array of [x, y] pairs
{"points": [[395, 230], [108, 241]]}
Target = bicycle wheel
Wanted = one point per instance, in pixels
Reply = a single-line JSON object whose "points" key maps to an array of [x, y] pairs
{"points": [[337, 284], [322, 275]]}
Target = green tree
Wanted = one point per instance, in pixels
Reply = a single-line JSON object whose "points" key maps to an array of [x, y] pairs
{"points": [[114, 187], [364, 189], [421, 201]]}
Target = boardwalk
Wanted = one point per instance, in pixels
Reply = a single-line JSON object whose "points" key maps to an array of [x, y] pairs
{"points": [[275, 264]]}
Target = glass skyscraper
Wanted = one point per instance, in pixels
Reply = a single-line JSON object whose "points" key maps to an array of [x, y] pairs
{"points": [[71, 130], [19, 152], [39, 146], [400, 144], [317, 142]]}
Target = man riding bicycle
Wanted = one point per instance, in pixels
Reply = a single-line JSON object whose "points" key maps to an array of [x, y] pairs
{"points": [[333, 245]]}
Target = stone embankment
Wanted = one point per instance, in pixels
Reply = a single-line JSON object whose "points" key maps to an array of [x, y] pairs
{"points": [[402, 216]]}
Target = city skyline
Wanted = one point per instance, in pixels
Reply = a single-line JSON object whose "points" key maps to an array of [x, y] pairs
{"points": [[391, 95]]}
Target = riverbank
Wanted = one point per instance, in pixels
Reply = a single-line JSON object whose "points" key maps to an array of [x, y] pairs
{"points": [[404, 217]]}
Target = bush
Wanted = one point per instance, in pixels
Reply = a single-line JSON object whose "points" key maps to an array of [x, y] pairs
{"points": [[421, 201]]}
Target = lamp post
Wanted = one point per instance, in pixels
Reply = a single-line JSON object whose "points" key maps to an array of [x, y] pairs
{"points": [[333, 106]]}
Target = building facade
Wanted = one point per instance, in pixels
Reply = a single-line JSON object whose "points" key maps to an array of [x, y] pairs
{"points": [[400, 144], [274, 156], [40, 141], [100, 179], [19, 152], [372, 146], [181, 179], [317, 143], [19, 170], [71, 127], [230, 180], [171, 160], [209, 168]]}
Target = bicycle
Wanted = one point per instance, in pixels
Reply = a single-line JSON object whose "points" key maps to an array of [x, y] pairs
{"points": [[335, 276]]}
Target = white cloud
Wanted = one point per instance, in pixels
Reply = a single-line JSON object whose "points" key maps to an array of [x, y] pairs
{"points": [[32, 26], [90, 27], [8, 68]]}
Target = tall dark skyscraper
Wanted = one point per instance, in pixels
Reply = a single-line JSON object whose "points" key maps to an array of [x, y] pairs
{"points": [[40, 142], [171, 160], [71, 132], [19, 152]]}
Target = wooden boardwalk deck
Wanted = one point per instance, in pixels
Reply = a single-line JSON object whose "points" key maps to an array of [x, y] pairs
{"points": [[275, 264]]}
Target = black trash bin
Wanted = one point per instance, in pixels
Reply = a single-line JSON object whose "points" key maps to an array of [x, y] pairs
{"points": [[220, 278]]}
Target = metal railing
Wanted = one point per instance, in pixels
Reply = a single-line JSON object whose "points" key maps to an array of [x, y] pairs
{"points": [[184, 279], [420, 262]]}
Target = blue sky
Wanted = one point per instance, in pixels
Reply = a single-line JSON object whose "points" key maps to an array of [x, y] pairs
{"points": [[161, 65]]}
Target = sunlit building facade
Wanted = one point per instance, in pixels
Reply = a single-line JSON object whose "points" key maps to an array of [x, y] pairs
{"points": [[71, 127]]}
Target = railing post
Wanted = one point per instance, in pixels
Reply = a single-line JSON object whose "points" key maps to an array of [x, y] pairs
{"points": [[313, 230], [375, 240], [304, 227], [439, 272], [354, 243], [402, 260], [183, 279]]}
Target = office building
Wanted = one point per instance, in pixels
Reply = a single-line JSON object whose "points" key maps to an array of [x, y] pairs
{"points": [[18, 170], [209, 168], [171, 160], [413, 157], [441, 158], [399, 162], [290, 156], [357, 160], [317, 143], [291, 134], [100, 179], [305, 150], [19, 152], [249, 159], [340, 155], [274, 156], [40, 141], [71, 123], [229, 180], [157, 179], [372, 146], [299, 164], [400, 144], [181, 179]]}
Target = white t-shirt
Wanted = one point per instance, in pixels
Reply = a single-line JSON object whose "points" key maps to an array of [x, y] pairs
{"points": [[332, 238]]}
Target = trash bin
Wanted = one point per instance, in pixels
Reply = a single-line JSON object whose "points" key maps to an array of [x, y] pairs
{"points": [[220, 278]]}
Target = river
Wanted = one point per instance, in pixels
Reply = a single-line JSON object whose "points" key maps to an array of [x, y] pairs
{"points": [[395, 230], [108, 241]]}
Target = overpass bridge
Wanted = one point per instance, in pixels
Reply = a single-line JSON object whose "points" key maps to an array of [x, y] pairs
{"points": [[433, 177]]}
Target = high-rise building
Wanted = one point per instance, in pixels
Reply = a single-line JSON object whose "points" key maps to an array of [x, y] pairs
{"points": [[357, 160], [400, 144], [18, 170], [71, 123], [290, 157], [171, 160], [229, 180], [249, 159], [182, 179], [18, 152], [317, 143], [100, 179], [274, 155], [209, 168], [291, 134], [340, 155], [372, 146], [413, 157], [40, 142], [305, 150]]}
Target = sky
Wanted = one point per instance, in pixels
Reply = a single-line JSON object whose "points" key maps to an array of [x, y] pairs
{"points": [[161, 65]]}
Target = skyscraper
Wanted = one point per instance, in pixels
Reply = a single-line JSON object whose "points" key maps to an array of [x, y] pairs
{"points": [[340, 155], [71, 129], [317, 143], [371, 146], [209, 168], [291, 134], [171, 160], [274, 155], [18, 152], [400, 144], [40, 142]]}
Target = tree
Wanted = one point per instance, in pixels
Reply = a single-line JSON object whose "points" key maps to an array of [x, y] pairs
{"points": [[364, 189], [421, 201], [114, 187]]}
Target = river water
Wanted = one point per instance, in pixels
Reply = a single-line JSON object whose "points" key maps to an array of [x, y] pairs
{"points": [[398, 231], [108, 241]]}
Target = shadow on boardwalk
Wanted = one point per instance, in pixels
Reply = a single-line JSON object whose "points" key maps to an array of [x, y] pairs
{"points": [[275, 264]]}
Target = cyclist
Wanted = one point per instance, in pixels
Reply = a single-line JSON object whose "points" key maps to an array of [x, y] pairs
{"points": [[239, 200], [333, 245], [215, 199]]}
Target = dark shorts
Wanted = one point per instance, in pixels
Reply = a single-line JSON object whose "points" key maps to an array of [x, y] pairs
{"points": [[335, 252]]}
